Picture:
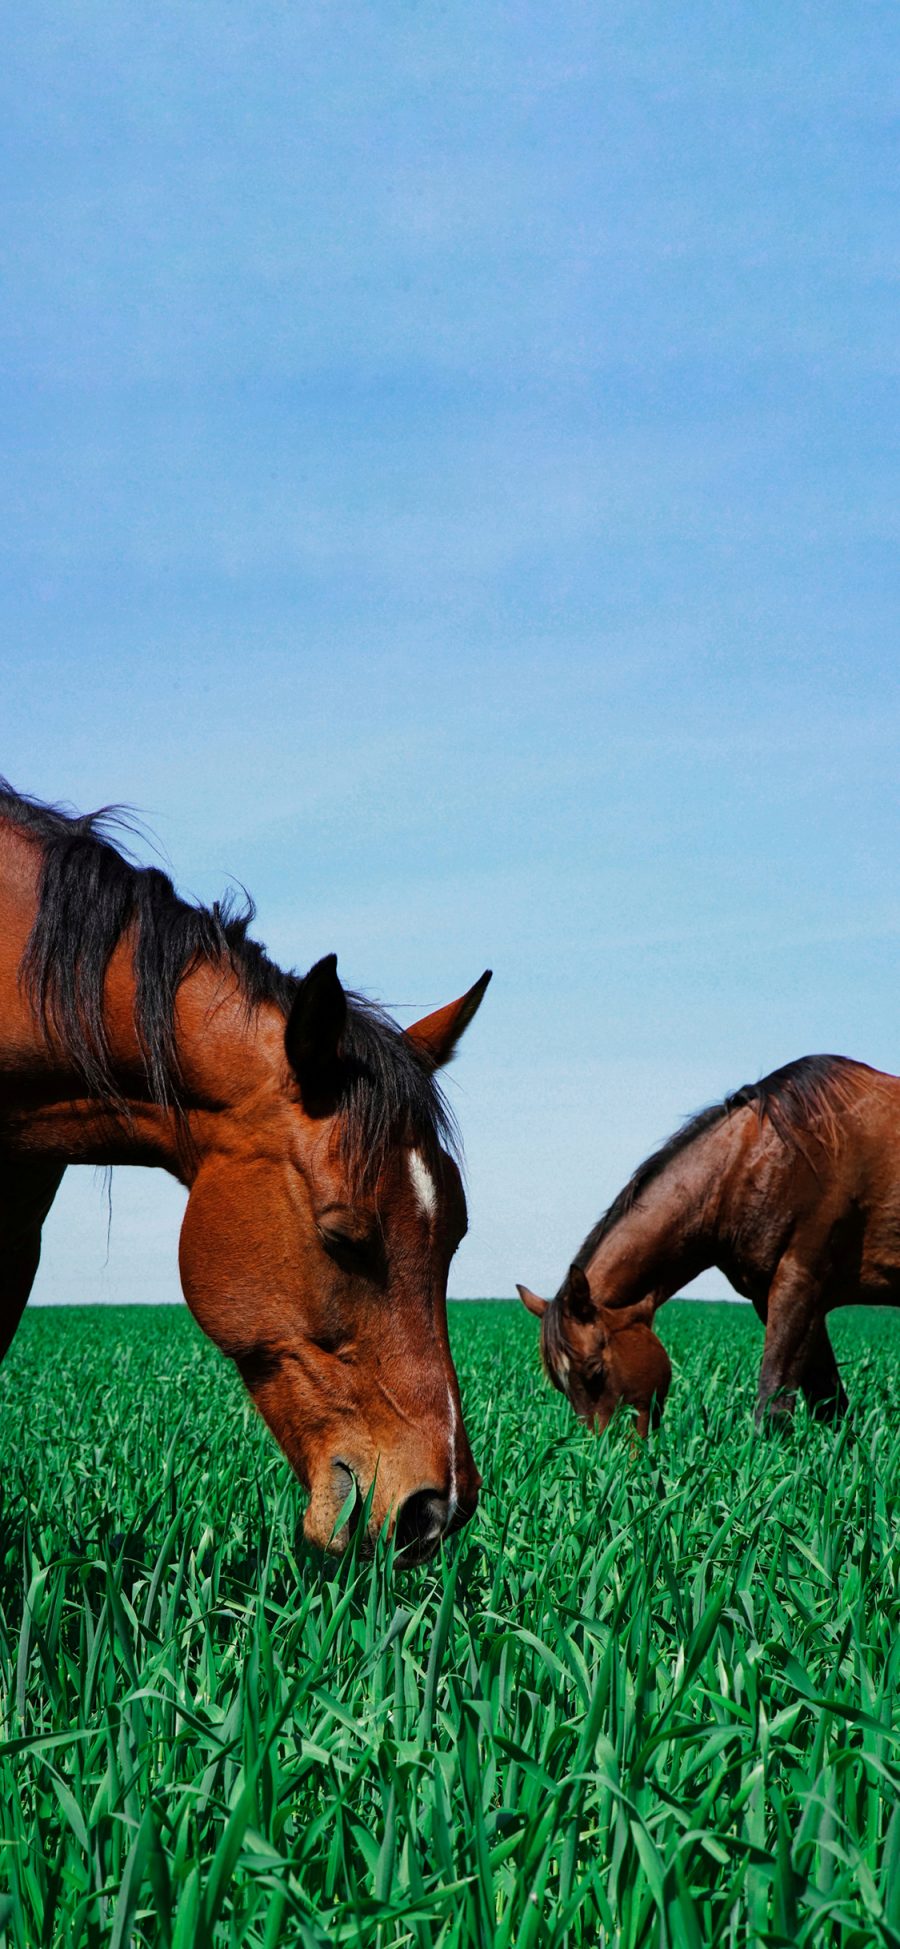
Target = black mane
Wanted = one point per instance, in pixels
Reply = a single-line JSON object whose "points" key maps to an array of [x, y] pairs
{"points": [[91, 895], [797, 1099]]}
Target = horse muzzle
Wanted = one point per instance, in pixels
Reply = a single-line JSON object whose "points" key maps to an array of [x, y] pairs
{"points": [[419, 1521]]}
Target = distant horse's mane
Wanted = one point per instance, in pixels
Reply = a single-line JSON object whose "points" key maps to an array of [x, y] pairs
{"points": [[801, 1099], [91, 894]]}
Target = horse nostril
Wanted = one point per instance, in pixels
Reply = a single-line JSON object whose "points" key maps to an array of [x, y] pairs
{"points": [[421, 1522], [345, 1485]]}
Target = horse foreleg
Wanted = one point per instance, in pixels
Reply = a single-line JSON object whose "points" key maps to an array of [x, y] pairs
{"points": [[26, 1194], [793, 1326], [823, 1389]]}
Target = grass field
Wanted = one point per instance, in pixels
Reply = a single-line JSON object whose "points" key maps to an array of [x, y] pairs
{"points": [[647, 1699]]}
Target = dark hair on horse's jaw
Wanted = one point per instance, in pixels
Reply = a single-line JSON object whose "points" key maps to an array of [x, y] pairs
{"points": [[553, 1346], [556, 1354], [91, 896]]}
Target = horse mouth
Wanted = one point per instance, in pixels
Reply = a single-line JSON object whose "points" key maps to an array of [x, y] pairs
{"points": [[420, 1525], [408, 1556], [423, 1524]]}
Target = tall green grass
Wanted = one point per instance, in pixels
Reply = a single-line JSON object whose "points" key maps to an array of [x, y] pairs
{"points": [[649, 1698]]}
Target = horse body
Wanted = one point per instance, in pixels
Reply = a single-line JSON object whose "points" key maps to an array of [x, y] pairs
{"points": [[324, 1202], [791, 1188]]}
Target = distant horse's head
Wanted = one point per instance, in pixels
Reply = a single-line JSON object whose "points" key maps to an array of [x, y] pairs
{"points": [[315, 1251], [600, 1355]]}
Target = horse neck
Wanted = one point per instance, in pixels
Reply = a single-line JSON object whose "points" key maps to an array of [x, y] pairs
{"points": [[665, 1239], [224, 1054]]}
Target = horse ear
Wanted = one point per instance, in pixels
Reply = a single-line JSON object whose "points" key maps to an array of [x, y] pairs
{"points": [[577, 1296], [436, 1036], [312, 1037], [530, 1300]]}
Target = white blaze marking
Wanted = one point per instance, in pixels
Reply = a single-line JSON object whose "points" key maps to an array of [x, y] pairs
{"points": [[425, 1189], [423, 1184], [454, 1500]]}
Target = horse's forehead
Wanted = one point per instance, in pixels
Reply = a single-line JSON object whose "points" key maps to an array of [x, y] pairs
{"points": [[425, 1189], [416, 1180], [429, 1185]]}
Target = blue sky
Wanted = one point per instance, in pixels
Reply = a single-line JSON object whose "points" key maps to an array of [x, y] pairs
{"points": [[448, 485]]}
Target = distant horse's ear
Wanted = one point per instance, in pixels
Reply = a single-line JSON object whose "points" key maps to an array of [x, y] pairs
{"points": [[535, 1305], [312, 1038], [437, 1035], [577, 1296]]}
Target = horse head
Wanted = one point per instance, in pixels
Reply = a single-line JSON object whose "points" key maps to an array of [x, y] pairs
{"points": [[600, 1355], [315, 1251]]}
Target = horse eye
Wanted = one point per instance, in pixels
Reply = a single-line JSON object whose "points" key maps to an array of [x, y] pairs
{"points": [[335, 1241], [356, 1254]]}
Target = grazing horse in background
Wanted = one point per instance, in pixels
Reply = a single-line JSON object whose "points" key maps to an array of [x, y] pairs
{"points": [[791, 1187], [324, 1201], [599, 1357]]}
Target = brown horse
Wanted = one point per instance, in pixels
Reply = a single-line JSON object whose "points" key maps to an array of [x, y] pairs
{"points": [[599, 1357], [324, 1200], [791, 1187]]}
